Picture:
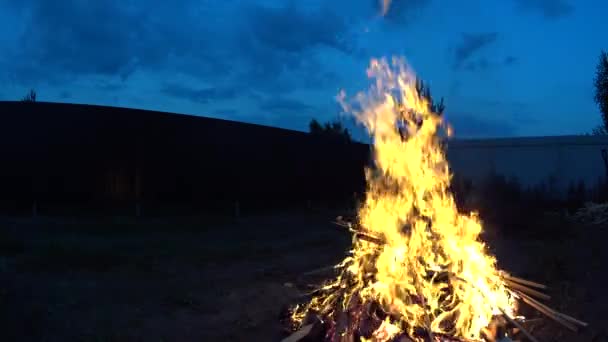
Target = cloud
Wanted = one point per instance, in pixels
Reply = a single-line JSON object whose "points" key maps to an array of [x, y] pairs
{"points": [[202, 95], [472, 126], [476, 65], [549, 9], [293, 30], [470, 44], [65, 95], [280, 46], [108, 37], [283, 104]]}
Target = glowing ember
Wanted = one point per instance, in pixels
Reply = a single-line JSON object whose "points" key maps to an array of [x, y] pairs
{"points": [[422, 262]]}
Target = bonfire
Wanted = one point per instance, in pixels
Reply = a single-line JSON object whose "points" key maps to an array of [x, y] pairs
{"points": [[417, 269]]}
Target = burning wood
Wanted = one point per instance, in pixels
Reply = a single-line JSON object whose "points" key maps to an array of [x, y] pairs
{"points": [[417, 270]]}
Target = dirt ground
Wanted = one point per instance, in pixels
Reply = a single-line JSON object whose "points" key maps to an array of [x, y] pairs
{"points": [[224, 280]]}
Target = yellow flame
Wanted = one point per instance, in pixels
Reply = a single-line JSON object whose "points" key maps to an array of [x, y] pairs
{"points": [[431, 269]]}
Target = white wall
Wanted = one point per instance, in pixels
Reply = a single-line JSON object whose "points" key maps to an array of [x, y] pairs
{"points": [[532, 161]]}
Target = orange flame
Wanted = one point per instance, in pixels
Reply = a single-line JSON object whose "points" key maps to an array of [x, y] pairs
{"points": [[384, 6], [409, 208]]}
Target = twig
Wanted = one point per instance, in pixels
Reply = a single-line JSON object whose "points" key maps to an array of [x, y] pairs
{"points": [[547, 311], [518, 326], [318, 270], [526, 289], [571, 319], [521, 281], [369, 238], [299, 335], [360, 234], [557, 313]]}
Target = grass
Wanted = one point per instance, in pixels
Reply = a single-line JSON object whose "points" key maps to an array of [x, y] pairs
{"points": [[59, 256], [181, 272]]}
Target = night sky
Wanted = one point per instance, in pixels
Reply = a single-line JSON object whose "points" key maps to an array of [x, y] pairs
{"points": [[505, 67]]}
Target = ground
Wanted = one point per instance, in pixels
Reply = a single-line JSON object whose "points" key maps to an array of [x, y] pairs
{"points": [[227, 280]]}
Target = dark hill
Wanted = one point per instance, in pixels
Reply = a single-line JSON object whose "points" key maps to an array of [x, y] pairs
{"points": [[103, 157]]}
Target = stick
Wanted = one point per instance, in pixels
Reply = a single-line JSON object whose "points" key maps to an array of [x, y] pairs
{"points": [[571, 319], [298, 335], [507, 276], [518, 326], [359, 234], [318, 270], [527, 290], [369, 238], [559, 314], [546, 311]]}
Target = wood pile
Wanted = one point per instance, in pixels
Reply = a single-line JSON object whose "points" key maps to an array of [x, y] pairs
{"points": [[360, 320]]}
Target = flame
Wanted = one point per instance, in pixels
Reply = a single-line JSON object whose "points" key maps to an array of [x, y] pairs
{"points": [[384, 6], [430, 267]]}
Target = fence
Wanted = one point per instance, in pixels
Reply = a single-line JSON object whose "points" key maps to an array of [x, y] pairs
{"points": [[555, 163]]}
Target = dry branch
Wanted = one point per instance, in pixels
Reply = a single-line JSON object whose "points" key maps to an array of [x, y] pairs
{"points": [[527, 290], [508, 276], [547, 311], [299, 335], [518, 326]]}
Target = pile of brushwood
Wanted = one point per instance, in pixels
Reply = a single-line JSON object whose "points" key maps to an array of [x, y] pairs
{"points": [[361, 320]]}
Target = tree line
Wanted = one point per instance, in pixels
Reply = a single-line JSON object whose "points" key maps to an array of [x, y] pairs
{"points": [[336, 131]]}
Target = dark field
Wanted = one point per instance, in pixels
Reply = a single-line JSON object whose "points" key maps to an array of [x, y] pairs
{"points": [[224, 280]]}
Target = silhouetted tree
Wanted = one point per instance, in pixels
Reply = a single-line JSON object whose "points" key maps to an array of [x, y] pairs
{"points": [[333, 130], [30, 97], [599, 130], [424, 91], [601, 87]]}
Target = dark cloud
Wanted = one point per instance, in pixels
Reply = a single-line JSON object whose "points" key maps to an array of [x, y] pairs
{"points": [[470, 44], [273, 49], [65, 95], [477, 65], [279, 46], [202, 95], [283, 104], [471, 126], [108, 37], [550, 9], [294, 30]]}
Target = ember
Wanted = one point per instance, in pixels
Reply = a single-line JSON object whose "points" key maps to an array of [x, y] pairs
{"points": [[417, 270]]}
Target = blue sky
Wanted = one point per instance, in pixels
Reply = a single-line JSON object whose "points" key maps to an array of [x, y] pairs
{"points": [[504, 67]]}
